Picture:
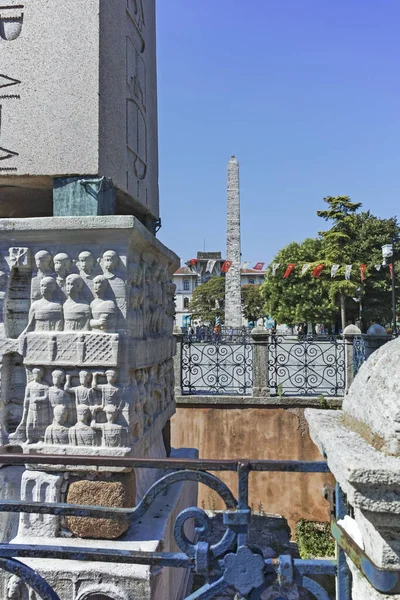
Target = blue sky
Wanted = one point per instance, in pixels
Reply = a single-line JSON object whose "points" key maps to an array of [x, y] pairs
{"points": [[306, 94]]}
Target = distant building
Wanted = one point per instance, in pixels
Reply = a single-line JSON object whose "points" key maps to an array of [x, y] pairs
{"points": [[186, 281]]}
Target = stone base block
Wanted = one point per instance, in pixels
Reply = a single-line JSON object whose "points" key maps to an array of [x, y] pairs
{"points": [[82, 580], [118, 494]]}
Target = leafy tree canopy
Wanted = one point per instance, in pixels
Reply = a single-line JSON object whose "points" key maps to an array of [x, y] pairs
{"points": [[252, 302], [208, 300], [355, 238]]}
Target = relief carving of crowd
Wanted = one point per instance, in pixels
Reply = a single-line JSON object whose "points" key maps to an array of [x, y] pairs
{"points": [[88, 406], [78, 410]]}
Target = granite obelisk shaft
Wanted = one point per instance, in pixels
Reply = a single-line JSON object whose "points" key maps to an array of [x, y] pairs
{"points": [[233, 305]]}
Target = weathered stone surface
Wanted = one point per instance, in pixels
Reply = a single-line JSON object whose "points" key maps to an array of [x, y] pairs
{"points": [[119, 494], [92, 111], [373, 398], [233, 299]]}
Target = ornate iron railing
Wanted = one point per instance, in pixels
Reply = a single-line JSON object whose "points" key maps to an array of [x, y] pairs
{"points": [[364, 346], [221, 367], [230, 563], [306, 365], [358, 353]]}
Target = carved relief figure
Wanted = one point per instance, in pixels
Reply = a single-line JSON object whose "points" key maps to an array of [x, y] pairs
{"points": [[136, 302], [163, 387], [57, 395], [17, 590], [135, 408], [147, 405], [82, 434], [84, 394], [109, 263], [110, 393], [62, 267], [3, 292], [140, 380], [112, 435], [86, 264], [169, 307], [45, 314], [76, 313], [154, 390], [37, 414], [43, 263], [57, 433], [104, 311]]}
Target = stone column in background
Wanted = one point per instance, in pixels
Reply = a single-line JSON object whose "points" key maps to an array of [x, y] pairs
{"points": [[233, 304]]}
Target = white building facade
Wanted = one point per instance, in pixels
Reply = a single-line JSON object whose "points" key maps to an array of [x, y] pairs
{"points": [[186, 281]]}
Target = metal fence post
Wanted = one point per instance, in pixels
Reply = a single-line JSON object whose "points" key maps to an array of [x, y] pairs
{"points": [[260, 362], [178, 335], [349, 334]]}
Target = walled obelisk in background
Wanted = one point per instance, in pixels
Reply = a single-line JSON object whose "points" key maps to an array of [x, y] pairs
{"points": [[233, 309]]}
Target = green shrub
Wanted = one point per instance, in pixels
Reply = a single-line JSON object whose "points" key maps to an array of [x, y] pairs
{"points": [[314, 539]]}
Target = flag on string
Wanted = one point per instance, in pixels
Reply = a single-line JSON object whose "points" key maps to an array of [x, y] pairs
{"points": [[210, 266], [274, 268], [226, 266], [192, 263], [348, 271], [317, 270], [258, 266], [362, 272], [334, 270], [244, 266], [378, 267], [289, 269], [305, 268], [391, 269]]}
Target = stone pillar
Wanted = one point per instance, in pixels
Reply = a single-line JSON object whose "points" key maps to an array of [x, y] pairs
{"points": [[233, 301], [362, 447], [260, 362], [86, 300], [349, 334]]}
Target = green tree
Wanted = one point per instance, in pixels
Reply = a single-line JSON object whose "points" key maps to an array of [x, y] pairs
{"points": [[370, 234], [208, 300], [306, 298], [338, 248], [299, 298], [252, 302]]}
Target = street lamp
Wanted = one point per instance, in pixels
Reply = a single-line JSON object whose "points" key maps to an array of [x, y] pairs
{"points": [[388, 252]]}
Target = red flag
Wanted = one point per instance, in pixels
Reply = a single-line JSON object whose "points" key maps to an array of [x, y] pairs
{"points": [[258, 266], [192, 262], [226, 266], [362, 272], [391, 269], [289, 269], [317, 270]]}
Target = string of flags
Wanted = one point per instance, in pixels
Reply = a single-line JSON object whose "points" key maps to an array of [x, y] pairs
{"points": [[318, 269], [194, 265]]}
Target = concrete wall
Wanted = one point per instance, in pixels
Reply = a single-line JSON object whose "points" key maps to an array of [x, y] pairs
{"points": [[262, 433]]}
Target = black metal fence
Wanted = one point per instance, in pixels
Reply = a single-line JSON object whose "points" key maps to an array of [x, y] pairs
{"points": [[306, 366], [232, 563], [217, 366]]}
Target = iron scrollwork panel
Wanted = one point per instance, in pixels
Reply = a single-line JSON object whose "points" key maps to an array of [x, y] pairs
{"points": [[217, 368], [306, 366]]}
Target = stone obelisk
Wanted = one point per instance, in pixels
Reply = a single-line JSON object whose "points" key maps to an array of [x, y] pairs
{"points": [[233, 308]]}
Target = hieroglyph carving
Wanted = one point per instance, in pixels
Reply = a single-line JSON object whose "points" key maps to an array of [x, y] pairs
{"points": [[11, 21]]}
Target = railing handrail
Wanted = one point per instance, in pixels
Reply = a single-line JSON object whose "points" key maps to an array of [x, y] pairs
{"points": [[195, 464]]}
